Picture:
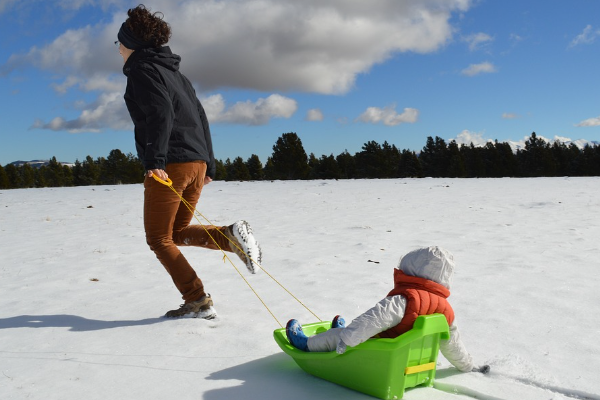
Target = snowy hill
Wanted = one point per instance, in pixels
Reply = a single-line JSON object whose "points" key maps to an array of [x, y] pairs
{"points": [[38, 163], [82, 295]]}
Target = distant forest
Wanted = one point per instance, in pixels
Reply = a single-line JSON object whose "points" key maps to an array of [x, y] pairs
{"points": [[289, 161]]}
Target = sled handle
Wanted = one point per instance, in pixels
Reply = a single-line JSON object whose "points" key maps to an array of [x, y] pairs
{"points": [[167, 182], [419, 368]]}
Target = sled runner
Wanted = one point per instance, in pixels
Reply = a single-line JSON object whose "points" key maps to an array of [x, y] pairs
{"points": [[383, 368]]}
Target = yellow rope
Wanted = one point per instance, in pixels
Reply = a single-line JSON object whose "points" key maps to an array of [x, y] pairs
{"points": [[197, 213]]}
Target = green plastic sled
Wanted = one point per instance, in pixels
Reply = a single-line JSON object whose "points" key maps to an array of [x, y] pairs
{"points": [[379, 367]]}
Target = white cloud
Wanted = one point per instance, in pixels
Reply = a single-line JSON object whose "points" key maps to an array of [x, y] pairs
{"points": [[588, 36], [68, 83], [581, 143], [467, 137], [510, 116], [264, 45], [477, 40], [67, 5], [315, 46], [476, 69], [267, 45], [102, 83], [590, 122], [74, 4], [69, 55], [107, 111], [515, 38], [248, 112], [314, 114], [388, 116], [520, 145]]}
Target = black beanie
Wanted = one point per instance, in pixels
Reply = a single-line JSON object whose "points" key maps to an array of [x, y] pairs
{"points": [[129, 40]]}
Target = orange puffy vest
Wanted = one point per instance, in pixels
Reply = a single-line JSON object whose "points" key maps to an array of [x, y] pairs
{"points": [[423, 297]]}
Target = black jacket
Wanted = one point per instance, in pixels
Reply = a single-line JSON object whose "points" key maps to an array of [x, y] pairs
{"points": [[170, 123]]}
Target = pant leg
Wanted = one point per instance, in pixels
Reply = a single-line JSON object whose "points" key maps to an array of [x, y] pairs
{"points": [[161, 211], [325, 341], [199, 235]]}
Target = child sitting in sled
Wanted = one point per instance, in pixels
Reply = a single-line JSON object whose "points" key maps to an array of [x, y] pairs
{"points": [[421, 287]]}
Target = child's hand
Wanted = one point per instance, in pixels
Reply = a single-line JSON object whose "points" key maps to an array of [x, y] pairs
{"points": [[484, 369]]}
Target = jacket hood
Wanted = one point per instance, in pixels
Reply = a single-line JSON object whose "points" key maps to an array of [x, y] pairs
{"points": [[159, 56], [433, 263]]}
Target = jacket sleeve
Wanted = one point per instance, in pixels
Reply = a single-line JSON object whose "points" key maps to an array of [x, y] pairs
{"points": [[211, 166], [454, 350], [384, 315], [152, 98]]}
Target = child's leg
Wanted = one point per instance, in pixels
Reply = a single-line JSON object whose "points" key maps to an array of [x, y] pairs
{"points": [[326, 341]]}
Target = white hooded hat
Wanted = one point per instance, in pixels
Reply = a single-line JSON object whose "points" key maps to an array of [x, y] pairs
{"points": [[433, 263]]}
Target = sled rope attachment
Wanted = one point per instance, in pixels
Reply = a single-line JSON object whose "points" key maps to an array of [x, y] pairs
{"points": [[197, 214]]}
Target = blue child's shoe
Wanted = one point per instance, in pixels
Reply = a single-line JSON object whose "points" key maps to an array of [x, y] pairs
{"points": [[338, 322], [296, 335]]}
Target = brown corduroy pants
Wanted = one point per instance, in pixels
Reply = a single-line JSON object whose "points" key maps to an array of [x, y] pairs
{"points": [[167, 224]]}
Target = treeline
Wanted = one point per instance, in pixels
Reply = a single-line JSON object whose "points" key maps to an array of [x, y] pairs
{"points": [[437, 159], [117, 168], [290, 161]]}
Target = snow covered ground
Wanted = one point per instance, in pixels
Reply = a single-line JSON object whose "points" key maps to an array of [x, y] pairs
{"points": [[81, 295]]}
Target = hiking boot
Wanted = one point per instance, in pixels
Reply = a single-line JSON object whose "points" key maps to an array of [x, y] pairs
{"points": [[244, 244], [338, 322], [201, 308], [295, 335]]}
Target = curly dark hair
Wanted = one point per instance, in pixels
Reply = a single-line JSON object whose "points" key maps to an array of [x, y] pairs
{"points": [[148, 26]]}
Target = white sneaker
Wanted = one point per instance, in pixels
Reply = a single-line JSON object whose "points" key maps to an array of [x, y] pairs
{"points": [[244, 244]]}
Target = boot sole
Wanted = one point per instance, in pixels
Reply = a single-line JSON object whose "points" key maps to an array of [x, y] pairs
{"points": [[244, 235]]}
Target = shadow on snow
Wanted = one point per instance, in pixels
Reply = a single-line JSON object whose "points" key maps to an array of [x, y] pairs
{"points": [[74, 322]]}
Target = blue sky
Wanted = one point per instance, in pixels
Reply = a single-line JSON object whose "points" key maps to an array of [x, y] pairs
{"points": [[339, 73]]}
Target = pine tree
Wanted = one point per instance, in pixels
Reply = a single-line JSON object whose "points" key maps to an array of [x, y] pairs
{"points": [[238, 171], [40, 177], [536, 159], [27, 176], [114, 166], [4, 182], [475, 167], [77, 173], [324, 168], [370, 161], [221, 171], [67, 175], [54, 174], [507, 159], [435, 158], [313, 164], [560, 154], [255, 168], [409, 165], [591, 160], [90, 172], [134, 170], [391, 161], [575, 158], [457, 167], [14, 177], [347, 165], [227, 167], [269, 170], [595, 160], [289, 158]]}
